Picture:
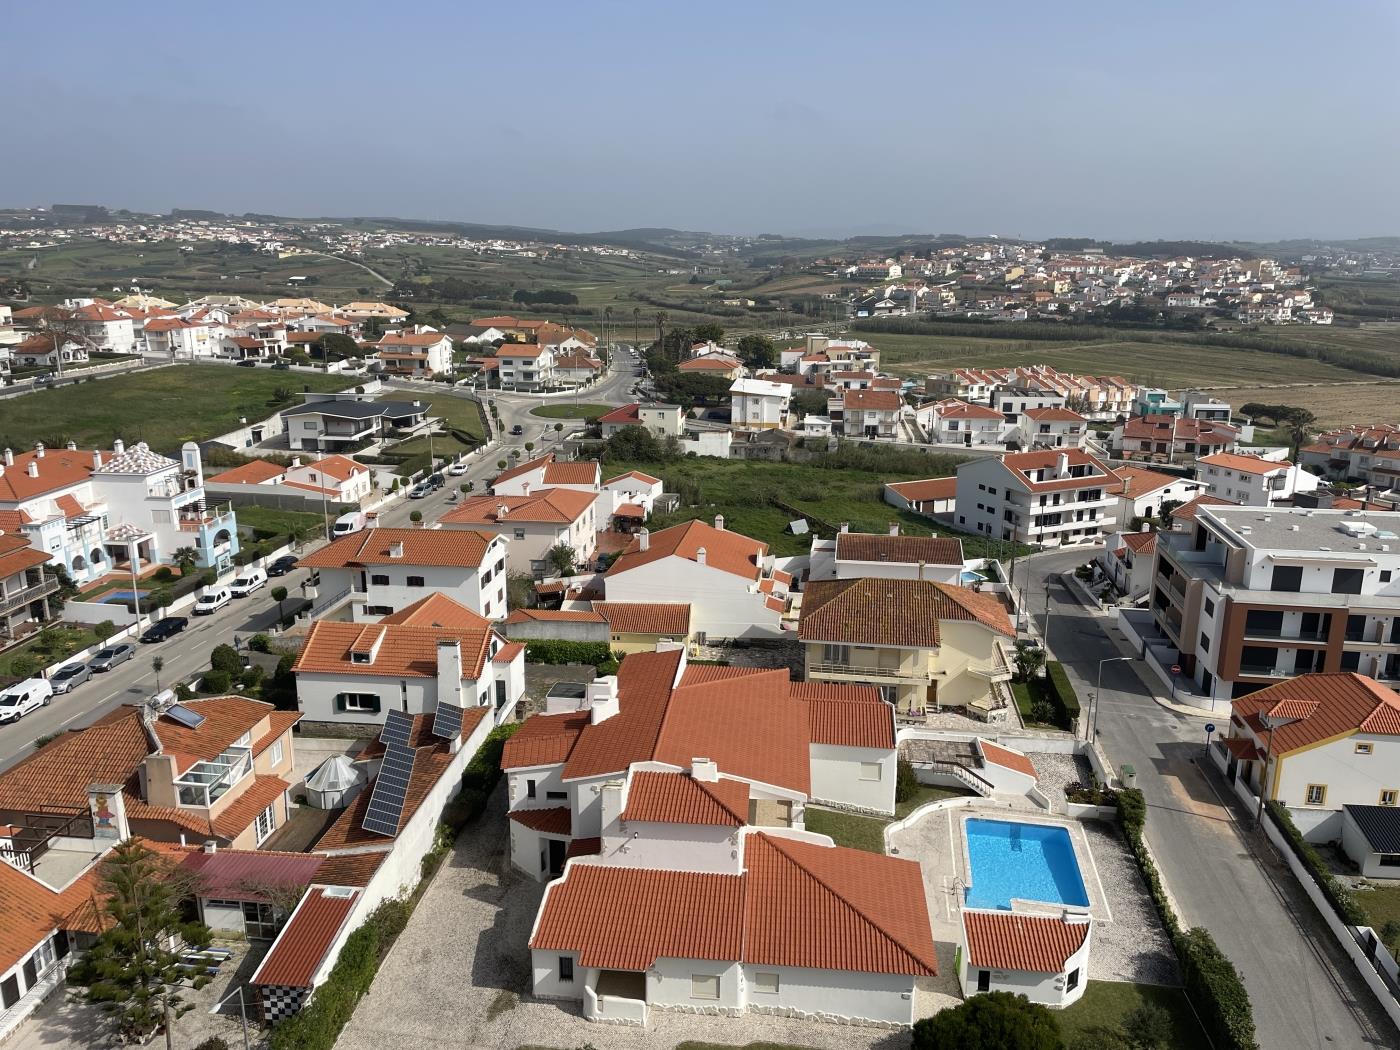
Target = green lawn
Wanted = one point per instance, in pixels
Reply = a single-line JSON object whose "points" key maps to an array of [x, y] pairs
{"points": [[1025, 694], [923, 795], [412, 455], [1381, 904], [569, 411], [165, 407], [1099, 1013], [49, 646], [460, 413], [283, 522], [848, 829]]}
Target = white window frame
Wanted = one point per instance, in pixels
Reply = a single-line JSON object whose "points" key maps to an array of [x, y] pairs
{"points": [[274, 753], [267, 818], [700, 983], [766, 983], [871, 772]]}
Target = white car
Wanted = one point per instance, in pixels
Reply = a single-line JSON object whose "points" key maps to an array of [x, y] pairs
{"points": [[212, 601], [246, 582], [457, 470], [26, 696]]}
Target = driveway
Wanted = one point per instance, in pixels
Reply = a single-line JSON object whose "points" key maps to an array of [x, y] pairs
{"points": [[459, 976], [1305, 992]]}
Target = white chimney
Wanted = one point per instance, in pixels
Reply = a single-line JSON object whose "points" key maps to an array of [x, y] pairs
{"points": [[9, 457], [700, 556], [39, 450], [501, 511], [644, 540], [602, 698], [719, 522], [33, 470], [296, 461], [1061, 465], [525, 487], [449, 672], [96, 460], [211, 846], [1146, 527], [704, 769], [396, 549], [118, 446], [72, 446], [894, 528]]}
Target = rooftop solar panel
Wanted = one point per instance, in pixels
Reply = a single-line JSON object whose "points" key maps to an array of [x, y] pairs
{"points": [[186, 717], [447, 721], [398, 728], [390, 792]]}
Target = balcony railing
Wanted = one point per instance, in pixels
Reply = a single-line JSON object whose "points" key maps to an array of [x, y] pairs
{"points": [[18, 599], [1274, 634], [870, 672]]}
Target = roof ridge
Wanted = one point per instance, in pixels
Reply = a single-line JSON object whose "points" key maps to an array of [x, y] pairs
{"points": [[742, 818], [773, 841]]}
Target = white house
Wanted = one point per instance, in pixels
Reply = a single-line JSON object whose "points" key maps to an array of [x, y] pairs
{"points": [[1371, 838], [930, 496], [861, 555], [547, 471], [1126, 560], [867, 413], [417, 351], [757, 404], [38, 350], [1253, 481], [106, 327], [1050, 428], [534, 524], [729, 579], [1043, 957], [1145, 492], [376, 572], [1050, 498], [433, 651], [660, 419], [339, 478], [956, 422], [180, 338], [525, 366]]}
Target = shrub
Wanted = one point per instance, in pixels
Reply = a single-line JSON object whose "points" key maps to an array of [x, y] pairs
{"points": [[251, 677], [22, 665], [104, 630], [1339, 896], [991, 1021], [558, 651], [225, 658], [607, 667], [165, 575], [906, 785], [1062, 694], [216, 682], [259, 642], [214, 1042], [389, 919]]}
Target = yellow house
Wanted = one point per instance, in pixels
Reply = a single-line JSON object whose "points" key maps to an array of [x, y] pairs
{"points": [[925, 645], [636, 627]]}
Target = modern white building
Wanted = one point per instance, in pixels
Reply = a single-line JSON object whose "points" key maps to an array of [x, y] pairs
{"points": [[757, 404], [1042, 957], [1049, 498], [534, 525], [890, 556], [953, 421], [417, 352], [1253, 481]]}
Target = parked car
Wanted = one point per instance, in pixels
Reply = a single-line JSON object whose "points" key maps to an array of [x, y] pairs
{"points": [[353, 521], [434, 482], [66, 679], [420, 490], [108, 658], [281, 366], [517, 430], [165, 628], [212, 601], [247, 364], [29, 695], [247, 581], [282, 565]]}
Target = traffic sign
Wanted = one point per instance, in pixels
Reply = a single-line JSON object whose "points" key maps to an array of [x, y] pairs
{"points": [[1210, 727], [1176, 669]]}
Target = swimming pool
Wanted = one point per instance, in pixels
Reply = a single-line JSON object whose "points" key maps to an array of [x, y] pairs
{"points": [[1009, 859], [122, 596]]}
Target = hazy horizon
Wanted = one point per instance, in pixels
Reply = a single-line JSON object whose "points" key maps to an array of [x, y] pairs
{"points": [[1245, 123]]}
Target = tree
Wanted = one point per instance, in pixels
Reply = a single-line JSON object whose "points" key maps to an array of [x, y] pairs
{"points": [[501, 464], [22, 665], [661, 318], [757, 351], [990, 1021], [416, 517], [129, 971], [809, 402], [1148, 1027], [225, 658], [906, 784], [186, 558], [279, 595], [637, 328], [558, 428], [157, 665], [709, 333], [635, 444], [1029, 660], [337, 347], [529, 446], [562, 557], [104, 630]]}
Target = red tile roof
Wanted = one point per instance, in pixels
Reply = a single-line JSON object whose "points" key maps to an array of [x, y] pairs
{"points": [[627, 414], [1006, 758], [668, 618], [544, 740], [348, 869], [956, 408], [247, 875], [33, 910], [395, 650], [255, 473], [1140, 542], [678, 798], [16, 555], [1025, 465], [851, 723], [235, 818], [462, 548], [437, 610], [1187, 511], [725, 550], [1054, 415], [1244, 464], [1007, 941], [1326, 706], [554, 616], [920, 491], [908, 550], [874, 611], [58, 468], [552, 821], [871, 400], [226, 718], [555, 506], [302, 945], [508, 652], [1139, 482]]}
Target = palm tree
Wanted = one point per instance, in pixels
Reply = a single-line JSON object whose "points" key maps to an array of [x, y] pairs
{"points": [[157, 665], [186, 558], [661, 319]]}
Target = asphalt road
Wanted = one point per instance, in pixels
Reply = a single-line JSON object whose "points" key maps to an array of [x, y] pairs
{"points": [[1222, 873]]}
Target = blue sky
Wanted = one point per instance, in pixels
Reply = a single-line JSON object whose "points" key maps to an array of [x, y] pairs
{"points": [[1211, 120]]}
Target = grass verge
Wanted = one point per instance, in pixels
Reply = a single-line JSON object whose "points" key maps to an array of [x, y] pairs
{"points": [[1098, 1017], [589, 412]]}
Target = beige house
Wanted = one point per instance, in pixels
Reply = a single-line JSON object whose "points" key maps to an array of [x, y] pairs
{"points": [[661, 419], [637, 627], [926, 645], [533, 524]]}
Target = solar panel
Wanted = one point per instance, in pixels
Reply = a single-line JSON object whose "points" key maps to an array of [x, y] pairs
{"points": [[398, 728], [390, 790], [187, 718], [447, 721]]}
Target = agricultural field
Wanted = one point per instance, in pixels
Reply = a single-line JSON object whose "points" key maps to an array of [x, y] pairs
{"points": [[164, 407], [1334, 404]]}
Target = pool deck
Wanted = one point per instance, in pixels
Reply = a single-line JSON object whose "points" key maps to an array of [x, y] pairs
{"points": [[1129, 942]]}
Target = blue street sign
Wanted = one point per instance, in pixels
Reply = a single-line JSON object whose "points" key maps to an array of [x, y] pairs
{"points": [[1210, 727]]}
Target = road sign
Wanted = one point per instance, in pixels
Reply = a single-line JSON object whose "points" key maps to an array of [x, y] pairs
{"points": [[1176, 669], [1210, 727]]}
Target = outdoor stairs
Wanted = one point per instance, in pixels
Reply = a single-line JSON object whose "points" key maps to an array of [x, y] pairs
{"points": [[960, 759]]}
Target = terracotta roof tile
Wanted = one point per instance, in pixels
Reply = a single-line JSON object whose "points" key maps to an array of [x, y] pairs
{"points": [[931, 489], [255, 473], [904, 613], [552, 821], [554, 616], [851, 723], [544, 740], [908, 550], [303, 943], [349, 869], [16, 555], [678, 798], [725, 550], [1326, 706], [553, 505], [437, 547], [1187, 511], [1006, 758], [58, 468], [871, 400], [1244, 464], [401, 650], [1006, 941], [1054, 415], [235, 818], [668, 618], [437, 610], [226, 718], [58, 773]]}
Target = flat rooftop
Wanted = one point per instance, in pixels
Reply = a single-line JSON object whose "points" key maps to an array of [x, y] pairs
{"points": [[1308, 531]]}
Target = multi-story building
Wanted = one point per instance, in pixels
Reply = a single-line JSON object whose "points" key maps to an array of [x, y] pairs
{"points": [[1252, 480], [867, 413], [525, 366], [1173, 439], [335, 422], [418, 351], [93, 512], [24, 587], [180, 338], [858, 555], [756, 404], [1145, 493], [377, 572], [1050, 428], [534, 524], [1198, 405], [1249, 595], [660, 419], [1049, 498], [1368, 454], [953, 421]]}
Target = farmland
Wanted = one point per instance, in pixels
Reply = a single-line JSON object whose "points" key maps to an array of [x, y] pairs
{"points": [[1334, 404], [164, 407]]}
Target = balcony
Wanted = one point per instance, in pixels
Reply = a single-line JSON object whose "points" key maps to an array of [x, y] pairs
{"points": [[1278, 636], [205, 783], [23, 596], [197, 516], [904, 673]]}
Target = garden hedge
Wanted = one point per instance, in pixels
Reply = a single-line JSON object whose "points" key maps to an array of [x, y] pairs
{"points": [[1061, 692], [559, 651], [1343, 903]]}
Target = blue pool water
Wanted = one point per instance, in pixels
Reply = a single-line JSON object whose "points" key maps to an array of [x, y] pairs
{"points": [[122, 596], [1027, 861]]}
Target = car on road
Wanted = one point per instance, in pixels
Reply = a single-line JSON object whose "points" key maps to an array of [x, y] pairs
{"points": [[457, 469], [420, 490], [212, 601], [29, 695], [281, 366], [108, 658], [66, 679], [434, 482], [282, 565], [164, 628], [247, 364], [246, 582], [517, 430]]}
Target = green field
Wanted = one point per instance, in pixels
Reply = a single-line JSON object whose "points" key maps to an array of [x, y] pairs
{"points": [[743, 492], [459, 413], [1098, 1016], [164, 407], [567, 411]]}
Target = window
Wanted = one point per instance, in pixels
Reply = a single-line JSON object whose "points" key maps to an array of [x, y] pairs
{"points": [[1287, 578], [1385, 576], [704, 986], [984, 980], [380, 579], [559, 796], [415, 581], [1363, 749], [259, 921], [870, 771], [530, 789], [1072, 981], [765, 983], [9, 990], [836, 654], [1346, 581], [274, 753], [367, 703], [1390, 860], [1316, 795], [566, 968], [265, 823], [1387, 797], [378, 610], [1205, 642], [519, 534], [1209, 607]]}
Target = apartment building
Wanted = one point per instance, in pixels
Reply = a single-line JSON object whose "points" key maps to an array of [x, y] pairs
{"points": [[525, 366], [534, 525], [24, 587], [1049, 498], [660, 419], [1249, 595], [953, 421], [1050, 428], [756, 404], [1172, 439], [867, 413], [1253, 481], [416, 352]]}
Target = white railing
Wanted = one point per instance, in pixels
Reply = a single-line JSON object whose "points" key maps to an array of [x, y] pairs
{"points": [[321, 608], [32, 997]]}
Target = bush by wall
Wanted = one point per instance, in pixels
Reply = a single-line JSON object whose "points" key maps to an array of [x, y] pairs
{"points": [[1343, 903], [1212, 982], [1062, 694], [559, 651], [318, 1026]]}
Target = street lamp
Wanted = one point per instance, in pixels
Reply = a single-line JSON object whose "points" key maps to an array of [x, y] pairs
{"points": [[1098, 692]]}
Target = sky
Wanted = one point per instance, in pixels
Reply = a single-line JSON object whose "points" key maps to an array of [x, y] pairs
{"points": [[1236, 120]]}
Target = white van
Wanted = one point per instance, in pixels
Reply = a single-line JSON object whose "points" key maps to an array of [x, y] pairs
{"points": [[247, 581], [18, 700], [348, 523], [211, 601]]}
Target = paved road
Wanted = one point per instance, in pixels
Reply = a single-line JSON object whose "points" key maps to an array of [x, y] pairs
{"points": [[1223, 875]]}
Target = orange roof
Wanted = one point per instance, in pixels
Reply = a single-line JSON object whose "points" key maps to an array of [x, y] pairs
{"points": [[956, 408], [508, 652], [669, 618], [1187, 510], [339, 467], [1006, 758], [931, 489], [637, 475], [226, 718], [554, 616], [1244, 464], [552, 821], [33, 910], [349, 869], [709, 363], [235, 818], [529, 466], [1054, 415], [678, 798], [58, 468], [303, 943], [873, 400], [580, 472], [911, 550], [556, 506], [412, 339], [437, 610], [1140, 482], [1025, 464], [725, 550], [625, 414], [1325, 706], [519, 350], [16, 555], [396, 650], [255, 473], [58, 774], [1007, 941], [1140, 542], [874, 611], [850, 723], [796, 904], [544, 740], [439, 547]]}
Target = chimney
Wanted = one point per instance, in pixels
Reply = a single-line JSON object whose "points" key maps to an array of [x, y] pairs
{"points": [[9, 457], [449, 672], [211, 846], [719, 522], [1061, 465], [72, 446], [845, 526], [501, 511], [396, 549], [894, 528], [602, 699], [296, 461], [96, 460], [612, 800], [108, 807], [38, 450], [644, 540], [704, 769], [33, 470], [525, 487], [118, 447], [700, 556]]}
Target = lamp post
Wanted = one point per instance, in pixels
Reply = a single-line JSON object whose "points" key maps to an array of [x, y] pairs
{"points": [[1098, 692], [1264, 770]]}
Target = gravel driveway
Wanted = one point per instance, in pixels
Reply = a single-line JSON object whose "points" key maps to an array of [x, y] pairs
{"points": [[459, 976]]}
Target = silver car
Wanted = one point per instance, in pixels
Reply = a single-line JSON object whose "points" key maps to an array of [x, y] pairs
{"points": [[66, 679], [111, 656]]}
